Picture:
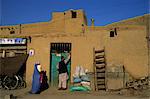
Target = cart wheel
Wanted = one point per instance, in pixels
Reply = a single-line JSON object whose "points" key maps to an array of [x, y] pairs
{"points": [[10, 82], [19, 82], [22, 83], [1, 85]]}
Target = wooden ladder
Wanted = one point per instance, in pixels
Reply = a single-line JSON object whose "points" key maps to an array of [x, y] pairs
{"points": [[99, 69]]}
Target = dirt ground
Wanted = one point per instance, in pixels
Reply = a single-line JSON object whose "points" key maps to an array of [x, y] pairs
{"points": [[53, 93]]}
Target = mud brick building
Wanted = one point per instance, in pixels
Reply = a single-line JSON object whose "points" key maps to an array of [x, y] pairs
{"points": [[116, 52]]}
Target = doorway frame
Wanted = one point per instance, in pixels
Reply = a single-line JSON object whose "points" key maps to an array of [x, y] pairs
{"points": [[51, 51]]}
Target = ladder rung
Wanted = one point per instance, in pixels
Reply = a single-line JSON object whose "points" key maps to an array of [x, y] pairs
{"points": [[100, 74], [102, 70], [100, 83], [99, 51], [100, 65], [99, 56], [100, 80], [100, 59], [100, 62], [101, 87]]}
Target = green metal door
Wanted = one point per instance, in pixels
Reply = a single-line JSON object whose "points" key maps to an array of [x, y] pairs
{"points": [[55, 59]]}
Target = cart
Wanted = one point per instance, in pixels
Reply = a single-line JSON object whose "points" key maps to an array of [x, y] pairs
{"points": [[12, 70]]}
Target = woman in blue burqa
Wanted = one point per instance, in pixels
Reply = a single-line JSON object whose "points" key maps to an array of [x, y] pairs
{"points": [[36, 79]]}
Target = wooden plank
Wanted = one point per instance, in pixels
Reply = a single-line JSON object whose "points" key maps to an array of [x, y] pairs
{"points": [[100, 65], [100, 62], [101, 83], [100, 74], [94, 68], [100, 59], [100, 80], [99, 56], [99, 51], [102, 70], [101, 87]]}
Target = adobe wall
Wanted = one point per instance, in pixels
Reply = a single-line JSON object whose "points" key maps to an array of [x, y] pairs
{"points": [[61, 22], [128, 47], [81, 54]]}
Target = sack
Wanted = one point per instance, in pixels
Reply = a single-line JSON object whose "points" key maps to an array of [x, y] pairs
{"points": [[87, 87], [78, 88], [77, 84], [85, 78], [77, 71], [82, 71], [85, 83], [76, 80]]}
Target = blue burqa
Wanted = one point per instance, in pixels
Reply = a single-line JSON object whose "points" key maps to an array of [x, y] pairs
{"points": [[36, 80]]}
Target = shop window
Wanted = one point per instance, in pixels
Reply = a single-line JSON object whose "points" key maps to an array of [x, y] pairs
{"points": [[74, 14], [12, 32]]}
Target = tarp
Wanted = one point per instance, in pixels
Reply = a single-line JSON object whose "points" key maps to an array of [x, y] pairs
{"points": [[11, 65]]}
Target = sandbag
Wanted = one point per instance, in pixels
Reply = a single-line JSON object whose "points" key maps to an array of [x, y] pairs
{"points": [[77, 71], [87, 87], [78, 88], [85, 83], [76, 80], [77, 84], [82, 71], [85, 78]]}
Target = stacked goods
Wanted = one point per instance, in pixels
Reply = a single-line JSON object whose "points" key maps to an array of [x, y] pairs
{"points": [[76, 76], [85, 82], [76, 81], [81, 81]]}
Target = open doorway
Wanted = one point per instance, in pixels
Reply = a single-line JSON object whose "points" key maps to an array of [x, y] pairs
{"points": [[56, 51]]}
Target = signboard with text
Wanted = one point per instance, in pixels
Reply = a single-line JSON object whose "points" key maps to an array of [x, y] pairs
{"points": [[13, 40]]}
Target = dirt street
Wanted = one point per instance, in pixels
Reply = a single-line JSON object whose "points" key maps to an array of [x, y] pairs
{"points": [[53, 93]]}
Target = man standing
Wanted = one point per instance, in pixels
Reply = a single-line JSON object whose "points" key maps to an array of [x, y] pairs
{"points": [[63, 73]]}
